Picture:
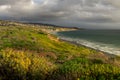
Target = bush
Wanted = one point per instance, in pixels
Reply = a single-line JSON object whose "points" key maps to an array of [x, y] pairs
{"points": [[71, 70], [13, 64], [40, 68], [18, 65], [84, 69]]}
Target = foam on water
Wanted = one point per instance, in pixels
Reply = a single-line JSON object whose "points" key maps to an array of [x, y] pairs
{"points": [[95, 45]]}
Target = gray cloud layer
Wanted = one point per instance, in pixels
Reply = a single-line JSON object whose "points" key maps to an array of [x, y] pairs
{"points": [[83, 13]]}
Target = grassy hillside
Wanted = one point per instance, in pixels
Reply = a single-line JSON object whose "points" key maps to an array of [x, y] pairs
{"points": [[28, 52]]}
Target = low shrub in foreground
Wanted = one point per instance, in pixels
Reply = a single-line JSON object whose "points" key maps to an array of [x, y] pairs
{"points": [[16, 65], [84, 69], [13, 64], [40, 68], [20, 65]]}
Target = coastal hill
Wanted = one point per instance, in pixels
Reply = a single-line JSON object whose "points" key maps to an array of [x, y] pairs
{"points": [[45, 27], [31, 52]]}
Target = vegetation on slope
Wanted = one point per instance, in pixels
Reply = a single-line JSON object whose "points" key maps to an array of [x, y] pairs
{"points": [[29, 53], [19, 65]]}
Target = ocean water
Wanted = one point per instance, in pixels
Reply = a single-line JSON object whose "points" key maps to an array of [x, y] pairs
{"points": [[103, 40]]}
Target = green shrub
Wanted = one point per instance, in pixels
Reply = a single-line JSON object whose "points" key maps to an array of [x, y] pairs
{"points": [[71, 70], [84, 69]]}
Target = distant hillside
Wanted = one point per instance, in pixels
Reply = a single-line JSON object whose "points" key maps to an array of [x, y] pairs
{"points": [[48, 27], [52, 25], [10, 23]]}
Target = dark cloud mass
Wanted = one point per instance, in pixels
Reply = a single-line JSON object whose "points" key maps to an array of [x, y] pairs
{"points": [[82, 13]]}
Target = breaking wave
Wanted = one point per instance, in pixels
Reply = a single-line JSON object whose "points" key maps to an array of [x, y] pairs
{"points": [[95, 45]]}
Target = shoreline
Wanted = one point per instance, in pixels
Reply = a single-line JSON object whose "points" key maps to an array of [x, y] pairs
{"points": [[72, 42], [97, 50]]}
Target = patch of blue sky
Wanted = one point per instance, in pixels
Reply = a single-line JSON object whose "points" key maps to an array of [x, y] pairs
{"points": [[38, 1]]}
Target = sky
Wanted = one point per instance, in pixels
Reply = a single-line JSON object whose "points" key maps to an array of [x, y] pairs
{"points": [[92, 14]]}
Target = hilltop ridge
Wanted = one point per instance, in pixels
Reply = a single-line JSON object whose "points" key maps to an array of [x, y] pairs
{"points": [[48, 27]]}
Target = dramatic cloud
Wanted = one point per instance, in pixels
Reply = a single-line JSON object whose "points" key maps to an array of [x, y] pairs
{"points": [[83, 13]]}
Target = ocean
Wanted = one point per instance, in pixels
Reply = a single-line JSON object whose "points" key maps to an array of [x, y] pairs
{"points": [[104, 40]]}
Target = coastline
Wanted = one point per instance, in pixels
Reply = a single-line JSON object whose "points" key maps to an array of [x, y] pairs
{"points": [[97, 50], [72, 42]]}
